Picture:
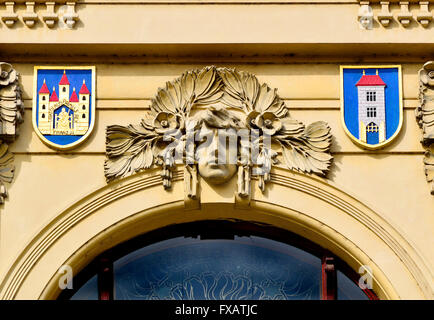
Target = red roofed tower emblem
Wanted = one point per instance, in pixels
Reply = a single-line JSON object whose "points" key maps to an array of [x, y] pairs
{"points": [[63, 116], [371, 104]]}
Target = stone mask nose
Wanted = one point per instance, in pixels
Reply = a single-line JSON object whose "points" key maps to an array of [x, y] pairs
{"points": [[214, 149]]}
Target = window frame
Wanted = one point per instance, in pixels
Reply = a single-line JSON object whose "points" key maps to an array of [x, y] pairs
{"points": [[371, 96], [371, 112], [372, 127]]}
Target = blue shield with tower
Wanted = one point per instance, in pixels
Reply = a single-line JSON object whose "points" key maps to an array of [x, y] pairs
{"points": [[371, 104], [64, 105]]}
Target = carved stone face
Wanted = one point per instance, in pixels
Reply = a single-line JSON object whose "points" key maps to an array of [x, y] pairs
{"points": [[216, 159]]}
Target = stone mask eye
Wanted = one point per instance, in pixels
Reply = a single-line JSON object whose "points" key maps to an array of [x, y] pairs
{"points": [[431, 74]]}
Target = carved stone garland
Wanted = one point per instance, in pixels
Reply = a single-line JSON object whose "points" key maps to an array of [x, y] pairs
{"points": [[217, 98], [11, 114], [425, 117]]}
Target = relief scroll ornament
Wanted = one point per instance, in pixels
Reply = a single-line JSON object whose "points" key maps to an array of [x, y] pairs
{"points": [[189, 117], [425, 118], [11, 114]]}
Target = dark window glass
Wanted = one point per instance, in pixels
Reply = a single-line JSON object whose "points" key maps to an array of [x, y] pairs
{"points": [[244, 268], [371, 96], [224, 261], [89, 291], [348, 289], [371, 112]]}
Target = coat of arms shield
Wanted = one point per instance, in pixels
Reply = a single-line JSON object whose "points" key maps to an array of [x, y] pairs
{"points": [[371, 104], [64, 105]]}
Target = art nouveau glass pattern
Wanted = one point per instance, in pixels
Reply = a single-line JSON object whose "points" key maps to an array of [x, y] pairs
{"points": [[251, 268], [242, 268]]}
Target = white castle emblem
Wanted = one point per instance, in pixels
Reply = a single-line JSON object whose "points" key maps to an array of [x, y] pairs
{"points": [[372, 106], [63, 114]]}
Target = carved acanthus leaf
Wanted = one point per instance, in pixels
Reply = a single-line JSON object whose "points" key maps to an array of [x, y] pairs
{"points": [[129, 150], [308, 150], [192, 88]]}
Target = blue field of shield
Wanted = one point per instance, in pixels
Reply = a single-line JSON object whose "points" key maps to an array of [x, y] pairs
{"points": [[63, 112], [371, 103]]}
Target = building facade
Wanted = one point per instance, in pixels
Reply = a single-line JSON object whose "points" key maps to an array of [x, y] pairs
{"points": [[275, 66]]}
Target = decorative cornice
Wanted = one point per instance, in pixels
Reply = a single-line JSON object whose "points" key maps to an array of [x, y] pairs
{"points": [[425, 118], [9, 17], [50, 16], [395, 1], [404, 17], [30, 17], [11, 114], [224, 2]]}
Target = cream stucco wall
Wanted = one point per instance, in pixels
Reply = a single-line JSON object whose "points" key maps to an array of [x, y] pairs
{"points": [[298, 58]]}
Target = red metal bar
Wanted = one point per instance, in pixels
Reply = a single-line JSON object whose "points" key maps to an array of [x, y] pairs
{"points": [[329, 278], [105, 279]]}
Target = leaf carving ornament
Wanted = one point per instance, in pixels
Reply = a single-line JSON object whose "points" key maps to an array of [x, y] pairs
{"points": [[11, 114], [425, 118], [217, 98]]}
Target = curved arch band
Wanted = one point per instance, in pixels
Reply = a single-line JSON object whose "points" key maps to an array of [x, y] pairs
{"points": [[308, 206]]}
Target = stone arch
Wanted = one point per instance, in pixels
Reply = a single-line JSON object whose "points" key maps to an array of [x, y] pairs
{"points": [[308, 206]]}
